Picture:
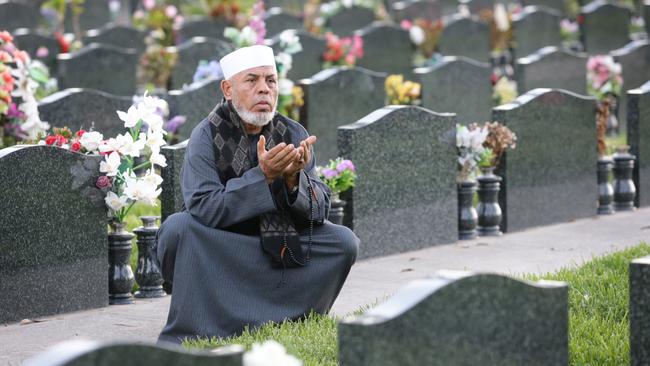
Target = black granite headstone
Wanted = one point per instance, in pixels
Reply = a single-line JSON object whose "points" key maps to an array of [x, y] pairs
{"points": [[536, 27], [558, 5], [605, 27], [117, 35], [386, 48], [345, 22], [85, 108], [171, 197], [190, 53], [276, 21], [201, 27], [465, 36], [550, 177], [14, 15], [97, 66], [96, 14], [307, 62], [640, 311], [405, 196], [92, 353], [31, 40], [195, 103], [336, 97], [458, 85], [458, 318], [638, 137], [551, 67], [635, 64], [53, 238]]}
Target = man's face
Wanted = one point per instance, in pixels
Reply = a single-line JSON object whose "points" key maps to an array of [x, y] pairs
{"points": [[254, 94]]}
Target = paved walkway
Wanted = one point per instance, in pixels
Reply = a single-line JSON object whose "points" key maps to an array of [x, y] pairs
{"points": [[539, 250]]}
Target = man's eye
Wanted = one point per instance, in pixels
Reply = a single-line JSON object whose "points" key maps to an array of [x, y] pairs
{"points": [[271, 81]]}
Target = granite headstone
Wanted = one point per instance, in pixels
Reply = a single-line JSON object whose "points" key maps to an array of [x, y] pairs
{"points": [[31, 40], [345, 22], [194, 102], [201, 27], [85, 109], [117, 35], [536, 27], [103, 67], [455, 318], [465, 36], [405, 196], [171, 197], [53, 241], [459, 85], [634, 59], [14, 15], [604, 27], [639, 272], [294, 7], [277, 20], [638, 137], [551, 67], [549, 178], [426, 9], [477, 6], [95, 14], [190, 53], [307, 62], [558, 5], [386, 48], [646, 17], [336, 97]]}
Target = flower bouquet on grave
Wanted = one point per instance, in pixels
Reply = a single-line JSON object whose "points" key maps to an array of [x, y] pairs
{"points": [[470, 149], [604, 81], [342, 51], [54, 11], [230, 10], [156, 63], [160, 17], [569, 31], [251, 34], [82, 141], [290, 96], [424, 35], [504, 90], [339, 176], [401, 92], [499, 138], [500, 21]]}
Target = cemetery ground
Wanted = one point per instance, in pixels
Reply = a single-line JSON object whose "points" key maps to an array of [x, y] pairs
{"points": [[598, 292]]}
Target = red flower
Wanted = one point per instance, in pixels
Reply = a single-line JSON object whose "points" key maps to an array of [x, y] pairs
{"points": [[80, 133], [64, 46], [581, 19], [6, 37], [494, 78], [49, 140], [75, 146], [60, 140], [103, 182]]}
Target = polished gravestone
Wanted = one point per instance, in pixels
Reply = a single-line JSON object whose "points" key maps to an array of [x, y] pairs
{"points": [[117, 35], [639, 311], [30, 40], [307, 62], [638, 137], [103, 67], [455, 318], [426, 9], [646, 17], [558, 5], [459, 85], [190, 53], [194, 102], [605, 27], [345, 22], [465, 36], [277, 20], [85, 109], [550, 177], [634, 59], [551, 67], [171, 197], [201, 27], [534, 28], [14, 15], [336, 97], [93, 353], [96, 14], [405, 196], [53, 240], [386, 48]]}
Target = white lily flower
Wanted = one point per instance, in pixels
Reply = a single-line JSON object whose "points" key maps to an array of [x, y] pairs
{"points": [[158, 159], [269, 353], [110, 164], [501, 17], [128, 147], [155, 140], [155, 123], [91, 140], [109, 145], [140, 190], [115, 202], [417, 35], [131, 117], [152, 178]]}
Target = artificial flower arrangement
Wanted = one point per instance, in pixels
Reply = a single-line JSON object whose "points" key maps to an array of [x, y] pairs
{"points": [[401, 92], [342, 51], [156, 15], [230, 10], [25, 80], [504, 90], [481, 146], [290, 96], [424, 35], [339, 175], [500, 21], [569, 31], [603, 76], [156, 63], [251, 34]]}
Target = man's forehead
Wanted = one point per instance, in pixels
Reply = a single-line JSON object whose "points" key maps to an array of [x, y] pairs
{"points": [[263, 71]]}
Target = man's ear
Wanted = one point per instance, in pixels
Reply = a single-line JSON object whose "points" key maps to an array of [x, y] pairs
{"points": [[226, 88]]}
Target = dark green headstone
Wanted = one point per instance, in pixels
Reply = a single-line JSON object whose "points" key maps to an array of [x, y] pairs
{"points": [[463, 36], [535, 28], [551, 67], [638, 137], [605, 27]]}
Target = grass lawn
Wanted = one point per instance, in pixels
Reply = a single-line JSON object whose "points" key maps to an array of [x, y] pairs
{"points": [[598, 316]]}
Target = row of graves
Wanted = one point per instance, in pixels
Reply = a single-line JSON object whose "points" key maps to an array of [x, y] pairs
{"points": [[395, 87]]}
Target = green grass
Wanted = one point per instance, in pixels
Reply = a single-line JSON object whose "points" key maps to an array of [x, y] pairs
{"points": [[614, 142], [598, 318]]}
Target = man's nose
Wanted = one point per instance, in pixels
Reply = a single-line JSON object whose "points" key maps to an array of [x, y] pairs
{"points": [[263, 87]]}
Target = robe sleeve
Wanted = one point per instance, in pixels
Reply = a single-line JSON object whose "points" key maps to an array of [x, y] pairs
{"points": [[208, 200]]}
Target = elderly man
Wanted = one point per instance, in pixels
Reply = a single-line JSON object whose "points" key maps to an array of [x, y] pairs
{"points": [[253, 244]]}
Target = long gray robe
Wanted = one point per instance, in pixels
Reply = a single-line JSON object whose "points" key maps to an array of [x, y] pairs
{"points": [[222, 280]]}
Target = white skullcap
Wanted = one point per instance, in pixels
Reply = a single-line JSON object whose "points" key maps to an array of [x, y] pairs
{"points": [[246, 58]]}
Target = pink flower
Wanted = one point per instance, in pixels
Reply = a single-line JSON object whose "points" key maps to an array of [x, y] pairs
{"points": [[76, 146], [406, 24], [149, 4], [103, 182], [329, 173], [171, 11], [350, 59], [6, 37], [345, 164], [42, 52]]}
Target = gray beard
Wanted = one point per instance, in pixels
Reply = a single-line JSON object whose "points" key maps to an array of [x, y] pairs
{"points": [[254, 118]]}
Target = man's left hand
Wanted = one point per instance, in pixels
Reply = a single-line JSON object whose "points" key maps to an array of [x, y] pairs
{"points": [[291, 172]]}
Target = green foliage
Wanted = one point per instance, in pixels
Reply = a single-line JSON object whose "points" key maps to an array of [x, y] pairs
{"points": [[339, 175]]}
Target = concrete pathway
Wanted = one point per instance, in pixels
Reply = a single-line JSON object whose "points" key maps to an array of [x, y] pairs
{"points": [[539, 250]]}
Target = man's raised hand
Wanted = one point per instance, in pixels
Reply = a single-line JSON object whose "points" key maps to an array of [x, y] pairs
{"points": [[275, 161]]}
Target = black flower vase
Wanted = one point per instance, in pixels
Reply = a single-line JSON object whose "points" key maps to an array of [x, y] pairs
{"points": [[467, 216], [337, 207], [624, 189], [605, 190], [488, 209], [120, 275], [147, 274]]}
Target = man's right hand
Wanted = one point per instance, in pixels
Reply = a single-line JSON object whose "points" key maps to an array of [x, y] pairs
{"points": [[273, 162]]}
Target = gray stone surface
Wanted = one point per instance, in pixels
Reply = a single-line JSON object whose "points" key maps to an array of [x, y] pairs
{"points": [[31, 40], [190, 53], [635, 63], [92, 353], [336, 97], [309, 61], [640, 311], [201, 27], [551, 67], [536, 27], [428, 9], [171, 197], [53, 239], [459, 85], [605, 27], [638, 137], [96, 66], [96, 14], [85, 108], [277, 20], [646, 17], [386, 48], [463, 36], [344, 23], [405, 196], [14, 15], [477, 6], [558, 5], [550, 176], [195, 103], [117, 35], [461, 318], [294, 7]]}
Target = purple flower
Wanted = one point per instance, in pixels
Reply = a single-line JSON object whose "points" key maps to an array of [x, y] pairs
{"points": [[173, 124], [207, 70], [329, 173], [14, 112], [42, 52], [345, 164]]}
